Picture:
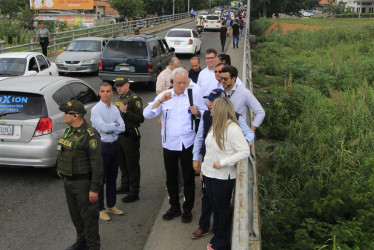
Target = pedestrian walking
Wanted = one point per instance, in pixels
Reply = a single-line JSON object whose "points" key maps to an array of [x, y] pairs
{"points": [[177, 134], [225, 146], [106, 119], [130, 106], [80, 166], [235, 34], [222, 35], [44, 38]]}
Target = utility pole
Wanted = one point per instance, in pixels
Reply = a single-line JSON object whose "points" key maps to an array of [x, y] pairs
{"points": [[188, 6], [210, 6], [173, 9]]}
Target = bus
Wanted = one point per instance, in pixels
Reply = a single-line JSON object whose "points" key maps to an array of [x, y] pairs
{"points": [[235, 5]]}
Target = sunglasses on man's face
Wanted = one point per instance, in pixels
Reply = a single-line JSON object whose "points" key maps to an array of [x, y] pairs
{"points": [[217, 71], [224, 79]]}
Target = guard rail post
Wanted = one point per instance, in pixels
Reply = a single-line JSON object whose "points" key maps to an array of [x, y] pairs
{"points": [[32, 42], [2, 46], [54, 46]]}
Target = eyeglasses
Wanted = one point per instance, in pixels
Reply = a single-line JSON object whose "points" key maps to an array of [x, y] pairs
{"points": [[224, 79], [70, 113], [209, 58], [218, 71]]}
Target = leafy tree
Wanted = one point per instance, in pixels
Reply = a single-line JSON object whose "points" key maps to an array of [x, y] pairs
{"points": [[10, 7], [155, 6], [26, 17], [128, 8], [336, 8]]}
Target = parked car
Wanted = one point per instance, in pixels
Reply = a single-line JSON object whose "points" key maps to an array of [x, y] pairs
{"points": [[26, 64], [139, 58], [305, 13], [82, 55], [212, 22], [184, 41], [30, 121]]}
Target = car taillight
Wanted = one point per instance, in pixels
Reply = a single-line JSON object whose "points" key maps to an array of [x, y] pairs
{"points": [[219, 21], [190, 42], [100, 64], [44, 127], [205, 21], [150, 67]]}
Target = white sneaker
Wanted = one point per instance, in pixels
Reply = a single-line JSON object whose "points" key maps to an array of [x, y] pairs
{"points": [[115, 210], [104, 216]]}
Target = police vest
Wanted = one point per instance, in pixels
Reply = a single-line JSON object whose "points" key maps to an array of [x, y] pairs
{"points": [[72, 158]]}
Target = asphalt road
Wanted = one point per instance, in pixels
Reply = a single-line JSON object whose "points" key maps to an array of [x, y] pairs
{"points": [[33, 210]]}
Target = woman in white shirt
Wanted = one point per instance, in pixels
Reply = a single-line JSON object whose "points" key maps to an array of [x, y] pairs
{"points": [[225, 146]]}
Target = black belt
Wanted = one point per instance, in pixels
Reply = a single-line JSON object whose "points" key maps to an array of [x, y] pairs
{"points": [[110, 143], [77, 177]]}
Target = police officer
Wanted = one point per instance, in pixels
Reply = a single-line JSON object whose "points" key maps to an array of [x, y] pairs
{"points": [[80, 166], [131, 108]]}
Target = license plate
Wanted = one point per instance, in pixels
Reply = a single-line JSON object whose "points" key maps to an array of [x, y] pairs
{"points": [[72, 68], [6, 130], [127, 68], [212, 22], [178, 43]]}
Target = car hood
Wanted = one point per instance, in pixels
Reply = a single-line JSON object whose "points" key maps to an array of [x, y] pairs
{"points": [[78, 56]]}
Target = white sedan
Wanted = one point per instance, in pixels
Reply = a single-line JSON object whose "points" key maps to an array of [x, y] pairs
{"points": [[26, 64], [184, 41], [212, 22]]}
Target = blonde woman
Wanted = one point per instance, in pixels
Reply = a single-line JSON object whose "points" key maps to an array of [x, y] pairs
{"points": [[225, 146]]}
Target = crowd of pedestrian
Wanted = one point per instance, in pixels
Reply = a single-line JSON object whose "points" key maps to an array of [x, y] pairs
{"points": [[203, 130]]}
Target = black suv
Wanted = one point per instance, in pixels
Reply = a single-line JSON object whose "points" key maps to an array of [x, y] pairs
{"points": [[139, 58]]}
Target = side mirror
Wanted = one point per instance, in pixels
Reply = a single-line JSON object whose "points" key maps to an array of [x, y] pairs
{"points": [[172, 49]]}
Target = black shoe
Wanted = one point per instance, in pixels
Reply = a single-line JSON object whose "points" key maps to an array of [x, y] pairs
{"points": [[186, 217], [130, 198], [122, 191], [79, 245], [171, 214], [237, 46]]}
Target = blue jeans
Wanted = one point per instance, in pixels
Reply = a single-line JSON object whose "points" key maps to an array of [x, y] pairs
{"points": [[235, 40], [110, 154]]}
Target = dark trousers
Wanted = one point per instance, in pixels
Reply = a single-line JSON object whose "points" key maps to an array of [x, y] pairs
{"points": [[129, 163], [171, 159], [219, 193], [84, 214], [206, 209], [110, 154], [223, 41], [235, 40], [44, 42]]}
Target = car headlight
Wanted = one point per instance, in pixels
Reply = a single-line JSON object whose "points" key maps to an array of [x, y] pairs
{"points": [[90, 61], [59, 61]]}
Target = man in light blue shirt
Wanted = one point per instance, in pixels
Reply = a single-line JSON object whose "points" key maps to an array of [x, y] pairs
{"points": [[106, 119]]}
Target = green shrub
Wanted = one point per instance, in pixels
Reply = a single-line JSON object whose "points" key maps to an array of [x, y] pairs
{"points": [[259, 26]]}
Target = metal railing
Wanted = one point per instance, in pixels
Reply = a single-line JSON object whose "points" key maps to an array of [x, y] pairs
{"points": [[59, 39], [246, 222]]}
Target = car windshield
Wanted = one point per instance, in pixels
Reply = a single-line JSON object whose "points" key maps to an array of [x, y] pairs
{"points": [[12, 66], [203, 13], [82, 45], [212, 17], [21, 106], [126, 49], [179, 33]]}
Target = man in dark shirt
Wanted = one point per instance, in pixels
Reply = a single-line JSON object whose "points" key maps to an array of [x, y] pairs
{"points": [[194, 72], [235, 34], [222, 35]]}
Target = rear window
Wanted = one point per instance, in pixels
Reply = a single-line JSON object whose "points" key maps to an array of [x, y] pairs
{"points": [[86, 46], [21, 106], [212, 17], [126, 49], [12, 66], [179, 33]]}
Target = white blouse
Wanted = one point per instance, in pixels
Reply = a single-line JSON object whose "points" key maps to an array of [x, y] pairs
{"points": [[236, 149]]}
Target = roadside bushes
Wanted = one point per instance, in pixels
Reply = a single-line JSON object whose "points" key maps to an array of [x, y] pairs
{"points": [[317, 183]]}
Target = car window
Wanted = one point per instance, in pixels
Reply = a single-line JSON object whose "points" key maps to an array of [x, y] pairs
{"points": [[165, 46], [42, 62], [212, 17], [33, 66], [179, 33], [63, 95], [22, 106], [126, 49], [161, 46], [12, 66], [83, 45], [83, 93], [154, 49]]}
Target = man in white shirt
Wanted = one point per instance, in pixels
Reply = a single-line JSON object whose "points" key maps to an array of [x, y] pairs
{"points": [[107, 120], [207, 80], [177, 133], [163, 79]]}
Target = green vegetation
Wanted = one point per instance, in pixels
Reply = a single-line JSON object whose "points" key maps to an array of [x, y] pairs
{"points": [[317, 156]]}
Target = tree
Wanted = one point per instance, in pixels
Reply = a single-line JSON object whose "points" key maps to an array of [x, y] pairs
{"points": [[155, 6], [10, 7], [128, 8]]}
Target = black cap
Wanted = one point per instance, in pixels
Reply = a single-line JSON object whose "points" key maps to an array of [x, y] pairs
{"points": [[73, 105], [120, 81], [215, 94]]}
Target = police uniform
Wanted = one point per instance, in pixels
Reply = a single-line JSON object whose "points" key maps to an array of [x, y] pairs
{"points": [[130, 143], [80, 165]]}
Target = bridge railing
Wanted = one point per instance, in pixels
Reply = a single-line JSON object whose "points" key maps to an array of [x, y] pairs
{"points": [[246, 232], [60, 39]]}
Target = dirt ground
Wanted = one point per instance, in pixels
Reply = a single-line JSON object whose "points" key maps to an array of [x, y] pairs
{"points": [[287, 27]]}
